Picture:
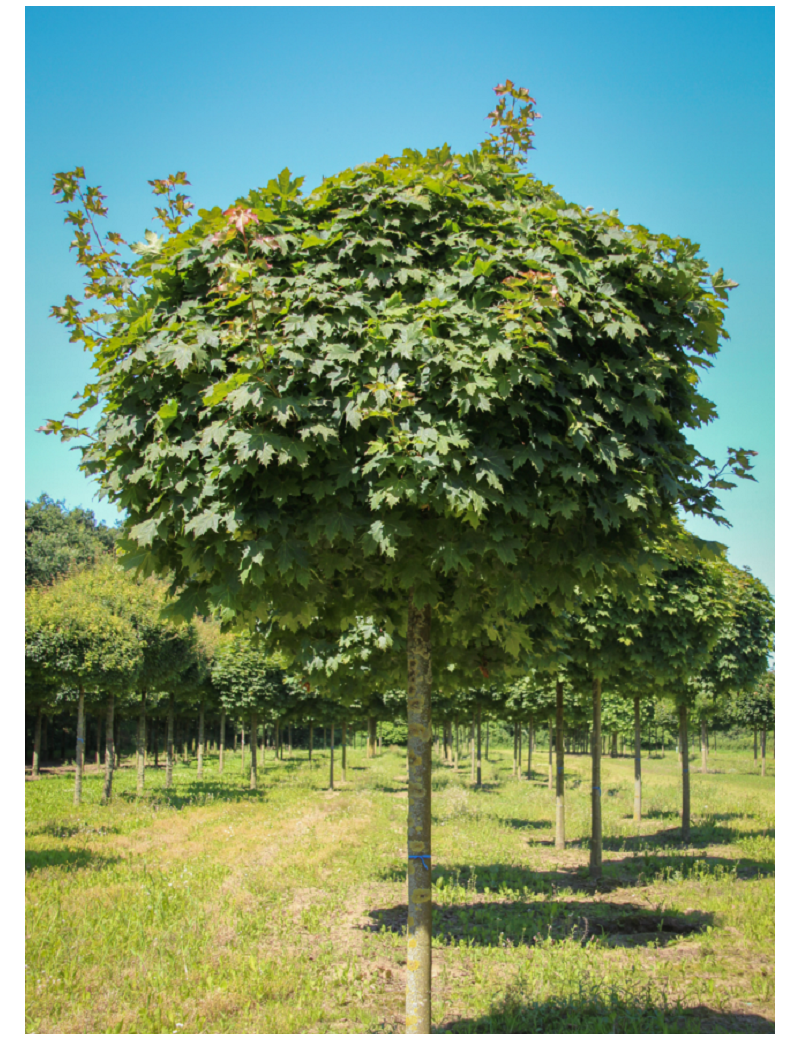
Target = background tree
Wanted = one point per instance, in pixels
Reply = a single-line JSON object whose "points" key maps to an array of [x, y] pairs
{"points": [[57, 539], [79, 635]]}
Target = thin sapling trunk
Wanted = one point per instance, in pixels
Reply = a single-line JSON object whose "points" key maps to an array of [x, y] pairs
{"points": [[140, 743], [683, 734], [596, 854], [637, 762], [253, 751], [560, 807], [37, 743], [201, 740], [418, 962], [170, 741], [108, 780]]}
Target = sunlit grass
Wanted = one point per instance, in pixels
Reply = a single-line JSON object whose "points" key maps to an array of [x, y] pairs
{"points": [[211, 909]]}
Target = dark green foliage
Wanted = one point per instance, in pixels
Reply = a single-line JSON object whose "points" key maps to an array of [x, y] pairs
{"points": [[432, 372]]}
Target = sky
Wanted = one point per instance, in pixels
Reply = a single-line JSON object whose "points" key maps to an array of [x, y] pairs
{"points": [[663, 113]]}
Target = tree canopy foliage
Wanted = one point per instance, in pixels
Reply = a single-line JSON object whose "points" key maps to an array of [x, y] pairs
{"points": [[57, 539]]}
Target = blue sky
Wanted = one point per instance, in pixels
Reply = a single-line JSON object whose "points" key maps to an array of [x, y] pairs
{"points": [[664, 113]]}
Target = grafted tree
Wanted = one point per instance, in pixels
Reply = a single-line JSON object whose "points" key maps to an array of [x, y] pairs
{"points": [[429, 388]]}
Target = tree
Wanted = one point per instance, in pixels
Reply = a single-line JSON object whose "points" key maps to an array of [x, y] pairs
{"points": [[250, 683], [431, 387], [79, 634], [57, 540]]}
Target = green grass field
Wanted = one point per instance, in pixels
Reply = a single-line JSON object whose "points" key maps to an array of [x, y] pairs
{"points": [[214, 910]]}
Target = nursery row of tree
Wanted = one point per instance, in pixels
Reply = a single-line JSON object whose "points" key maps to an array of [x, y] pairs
{"points": [[430, 424], [97, 639]]}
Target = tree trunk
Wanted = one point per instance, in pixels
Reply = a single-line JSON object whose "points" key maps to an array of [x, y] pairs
{"points": [[222, 743], [242, 740], [380, 738], [330, 781], [44, 745], [549, 755], [253, 751], [560, 808], [37, 743], [614, 753], [755, 745], [472, 751], [514, 755], [170, 741], [530, 746], [109, 777], [201, 740], [478, 750], [117, 743], [264, 745], [80, 745], [764, 751], [185, 735], [140, 743], [596, 854], [289, 742], [154, 736], [487, 742], [683, 734], [99, 741], [704, 746], [418, 962], [637, 762], [344, 752], [371, 731]]}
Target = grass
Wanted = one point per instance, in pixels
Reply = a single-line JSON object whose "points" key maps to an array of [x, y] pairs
{"points": [[214, 910]]}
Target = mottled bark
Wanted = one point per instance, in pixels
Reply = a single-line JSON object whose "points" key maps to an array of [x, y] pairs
{"points": [[614, 751], [549, 755], [201, 740], [418, 963], [637, 762], [108, 780], [560, 807], [478, 750], [596, 846], [222, 743], [37, 743], [330, 781], [170, 741], [683, 735], [141, 735], [344, 752], [253, 751]]}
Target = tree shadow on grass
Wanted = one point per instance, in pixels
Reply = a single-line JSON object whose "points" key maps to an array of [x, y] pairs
{"points": [[69, 859], [627, 872], [606, 1013], [490, 923], [197, 793]]}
